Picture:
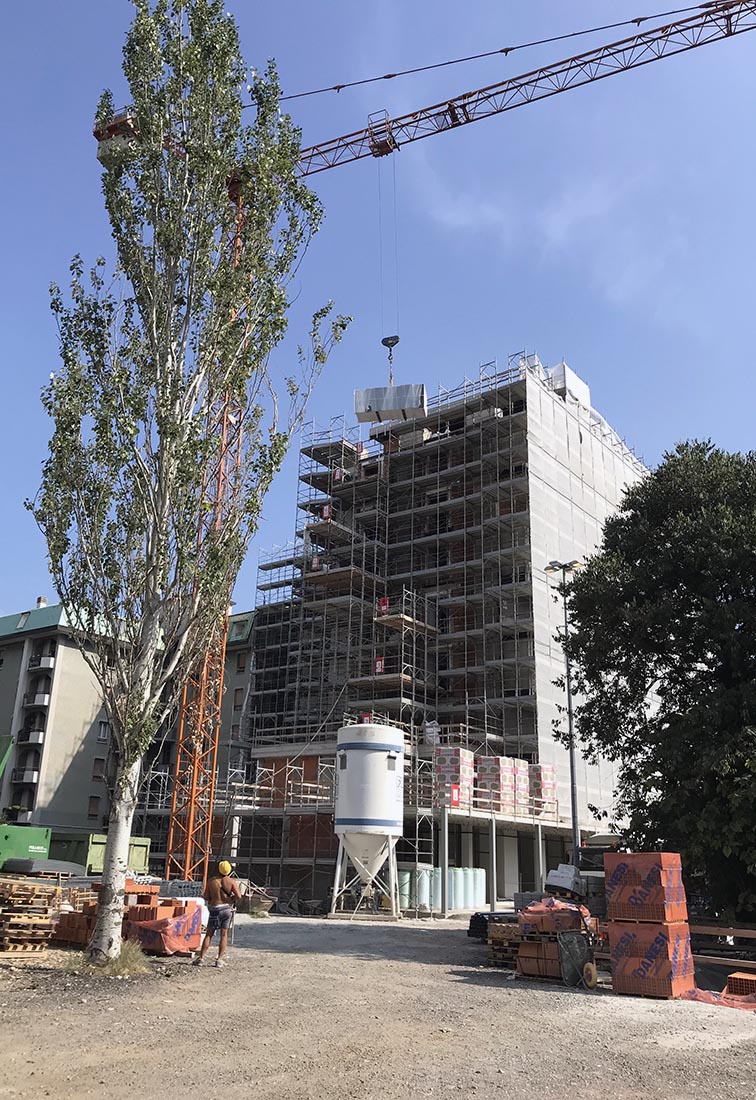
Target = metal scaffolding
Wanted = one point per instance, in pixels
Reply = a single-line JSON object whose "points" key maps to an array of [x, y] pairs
{"points": [[405, 596]]}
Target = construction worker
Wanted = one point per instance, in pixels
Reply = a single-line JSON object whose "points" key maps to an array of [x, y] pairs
{"points": [[221, 894]]}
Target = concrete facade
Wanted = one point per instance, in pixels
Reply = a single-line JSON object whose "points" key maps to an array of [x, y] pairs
{"points": [[414, 593], [51, 705]]}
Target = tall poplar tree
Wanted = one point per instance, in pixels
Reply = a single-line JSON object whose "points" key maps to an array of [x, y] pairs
{"points": [[210, 221]]}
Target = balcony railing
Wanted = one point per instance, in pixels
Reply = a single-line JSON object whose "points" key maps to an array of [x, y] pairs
{"points": [[31, 737], [18, 816], [37, 699], [39, 660], [25, 775]]}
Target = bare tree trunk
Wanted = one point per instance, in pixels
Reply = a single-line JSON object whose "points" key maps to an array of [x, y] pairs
{"points": [[106, 939]]}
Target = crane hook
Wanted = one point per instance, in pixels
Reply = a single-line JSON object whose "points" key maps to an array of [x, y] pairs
{"points": [[390, 342]]}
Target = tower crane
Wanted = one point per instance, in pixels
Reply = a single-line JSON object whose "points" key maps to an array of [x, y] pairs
{"points": [[190, 839]]}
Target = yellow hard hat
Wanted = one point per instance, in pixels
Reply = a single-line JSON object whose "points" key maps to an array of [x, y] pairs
{"points": [[224, 867]]}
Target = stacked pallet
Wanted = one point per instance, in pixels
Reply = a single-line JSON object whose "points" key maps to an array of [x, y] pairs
{"points": [[142, 905], [521, 770], [649, 936], [480, 921], [503, 785], [543, 788], [540, 925], [495, 781], [27, 915], [503, 944], [453, 777]]}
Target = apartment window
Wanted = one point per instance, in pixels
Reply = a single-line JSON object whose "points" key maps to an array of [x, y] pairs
{"points": [[241, 662], [235, 732], [238, 698], [103, 731], [98, 767], [93, 810]]}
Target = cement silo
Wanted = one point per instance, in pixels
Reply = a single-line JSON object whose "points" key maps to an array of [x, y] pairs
{"points": [[369, 815]]}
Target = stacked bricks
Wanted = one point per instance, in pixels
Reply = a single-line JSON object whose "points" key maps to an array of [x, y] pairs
{"points": [[496, 784], [27, 915], [142, 903], [452, 766], [649, 936], [543, 788], [503, 785], [742, 984], [540, 924], [522, 787]]}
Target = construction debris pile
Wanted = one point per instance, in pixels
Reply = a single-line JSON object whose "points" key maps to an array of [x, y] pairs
{"points": [[164, 926], [27, 915]]}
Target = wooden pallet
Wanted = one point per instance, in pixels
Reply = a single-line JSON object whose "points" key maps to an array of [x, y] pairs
{"points": [[25, 918], [7, 945]]}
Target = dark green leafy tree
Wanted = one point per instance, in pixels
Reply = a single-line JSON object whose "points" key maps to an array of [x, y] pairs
{"points": [[210, 221], [663, 639]]}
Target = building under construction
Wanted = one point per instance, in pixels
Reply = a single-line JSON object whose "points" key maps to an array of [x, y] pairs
{"points": [[414, 593]]}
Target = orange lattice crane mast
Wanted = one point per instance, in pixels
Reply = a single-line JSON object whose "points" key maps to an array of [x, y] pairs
{"points": [[190, 830]]}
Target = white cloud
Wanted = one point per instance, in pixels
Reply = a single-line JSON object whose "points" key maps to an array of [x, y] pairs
{"points": [[481, 209]]}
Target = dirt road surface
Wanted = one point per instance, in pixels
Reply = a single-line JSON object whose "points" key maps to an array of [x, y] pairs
{"points": [[320, 1009]]}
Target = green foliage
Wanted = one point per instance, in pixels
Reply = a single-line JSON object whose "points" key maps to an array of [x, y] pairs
{"points": [[165, 372], [663, 637]]}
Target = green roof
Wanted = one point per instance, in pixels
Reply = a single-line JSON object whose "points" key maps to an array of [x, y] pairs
{"points": [[239, 627], [28, 622]]}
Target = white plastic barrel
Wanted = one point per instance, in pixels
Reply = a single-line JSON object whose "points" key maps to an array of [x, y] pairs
{"points": [[423, 888], [468, 887], [404, 889]]}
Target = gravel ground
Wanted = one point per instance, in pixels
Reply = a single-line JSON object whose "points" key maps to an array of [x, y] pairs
{"points": [[321, 1009]]}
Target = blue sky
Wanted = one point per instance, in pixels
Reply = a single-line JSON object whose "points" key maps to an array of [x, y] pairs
{"points": [[612, 225]]}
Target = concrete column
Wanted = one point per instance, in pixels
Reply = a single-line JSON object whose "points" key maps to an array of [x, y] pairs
{"points": [[510, 872], [444, 860], [539, 857], [492, 875], [467, 847]]}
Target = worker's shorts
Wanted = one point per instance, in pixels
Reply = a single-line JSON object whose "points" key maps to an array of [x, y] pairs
{"points": [[220, 918]]}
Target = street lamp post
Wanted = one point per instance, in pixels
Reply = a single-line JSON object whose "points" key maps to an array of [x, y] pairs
{"points": [[564, 568]]}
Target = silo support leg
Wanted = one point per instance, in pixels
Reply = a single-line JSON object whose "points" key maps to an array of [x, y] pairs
{"points": [[393, 883], [339, 877]]}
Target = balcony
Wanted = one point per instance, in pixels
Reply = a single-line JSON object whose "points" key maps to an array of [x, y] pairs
{"points": [[37, 699], [25, 775], [41, 661], [31, 737], [19, 817]]}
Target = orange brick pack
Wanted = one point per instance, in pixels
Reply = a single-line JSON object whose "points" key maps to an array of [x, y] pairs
{"points": [[645, 886]]}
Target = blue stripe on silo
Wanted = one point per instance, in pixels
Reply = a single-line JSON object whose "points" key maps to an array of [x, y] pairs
{"points": [[371, 745], [383, 822]]}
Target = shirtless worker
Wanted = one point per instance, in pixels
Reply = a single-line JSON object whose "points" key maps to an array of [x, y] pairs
{"points": [[220, 892]]}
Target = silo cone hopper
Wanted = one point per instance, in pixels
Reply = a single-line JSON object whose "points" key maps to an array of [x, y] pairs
{"points": [[368, 818]]}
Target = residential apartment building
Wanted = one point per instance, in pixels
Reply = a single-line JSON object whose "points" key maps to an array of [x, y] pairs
{"points": [[52, 707], [414, 593]]}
